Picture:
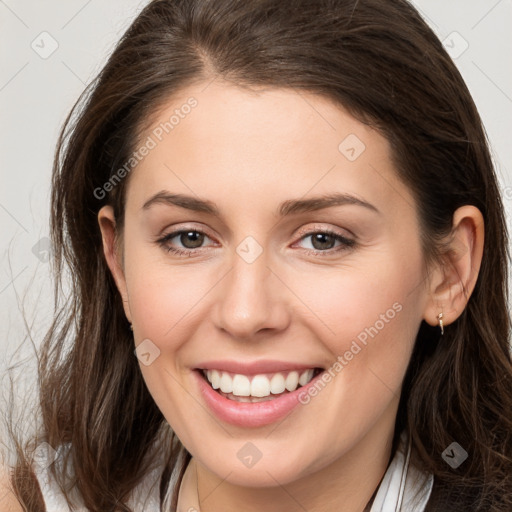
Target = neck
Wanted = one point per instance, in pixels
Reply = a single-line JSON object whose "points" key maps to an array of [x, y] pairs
{"points": [[349, 484]]}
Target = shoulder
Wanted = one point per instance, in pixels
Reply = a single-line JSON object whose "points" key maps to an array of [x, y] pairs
{"points": [[8, 500]]}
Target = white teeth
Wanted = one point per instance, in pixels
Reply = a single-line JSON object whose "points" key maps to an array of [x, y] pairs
{"points": [[226, 383], [277, 385], [241, 385], [292, 381], [259, 385], [214, 378], [305, 377]]}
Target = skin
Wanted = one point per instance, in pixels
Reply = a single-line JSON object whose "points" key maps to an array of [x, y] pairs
{"points": [[248, 151], [8, 500]]}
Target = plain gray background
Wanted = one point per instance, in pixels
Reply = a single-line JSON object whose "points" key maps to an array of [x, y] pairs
{"points": [[52, 49]]}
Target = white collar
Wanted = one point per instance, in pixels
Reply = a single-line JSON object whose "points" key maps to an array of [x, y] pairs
{"points": [[401, 482]]}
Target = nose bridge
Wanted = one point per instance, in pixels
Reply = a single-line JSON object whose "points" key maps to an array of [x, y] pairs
{"points": [[251, 298]]}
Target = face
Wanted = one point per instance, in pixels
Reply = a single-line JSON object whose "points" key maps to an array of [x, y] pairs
{"points": [[236, 267]]}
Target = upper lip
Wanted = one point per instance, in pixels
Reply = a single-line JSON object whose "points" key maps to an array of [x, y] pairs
{"points": [[254, 367]]}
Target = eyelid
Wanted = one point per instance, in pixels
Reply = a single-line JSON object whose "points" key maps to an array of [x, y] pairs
{"points": [[176, 230], [322, 228], [173, 233]]}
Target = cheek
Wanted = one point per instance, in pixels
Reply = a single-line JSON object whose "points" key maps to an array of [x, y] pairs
{"points": [[368, 321], [357, 302], [163, 298], [368, 317], [165, 304], [165, 301]]}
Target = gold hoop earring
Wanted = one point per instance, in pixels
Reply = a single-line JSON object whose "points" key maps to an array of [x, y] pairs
{"points": [[440, 318], [131, 327]]}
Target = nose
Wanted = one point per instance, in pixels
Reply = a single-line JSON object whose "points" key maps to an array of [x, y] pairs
{"points": [[251, 299]]}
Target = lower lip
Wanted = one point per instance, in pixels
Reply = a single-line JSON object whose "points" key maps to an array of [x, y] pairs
{"points": [[250, 414]]}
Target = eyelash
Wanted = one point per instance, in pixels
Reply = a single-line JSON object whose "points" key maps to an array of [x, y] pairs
{"points": [[346, 243]]}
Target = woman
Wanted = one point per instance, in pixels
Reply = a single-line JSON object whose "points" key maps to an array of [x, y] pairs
{"points": [[289, 211]]}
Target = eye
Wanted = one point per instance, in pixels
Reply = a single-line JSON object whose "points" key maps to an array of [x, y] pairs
{"points": [[191, 240], [323, 241]]}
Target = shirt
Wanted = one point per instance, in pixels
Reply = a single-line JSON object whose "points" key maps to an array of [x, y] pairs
{"points": [[401, 483]]}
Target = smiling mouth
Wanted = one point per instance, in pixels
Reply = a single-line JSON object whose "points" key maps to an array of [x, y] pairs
{"points": [[260, 387]]}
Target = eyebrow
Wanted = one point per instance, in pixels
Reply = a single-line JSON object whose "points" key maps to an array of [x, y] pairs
{"points": [[289, 207]]}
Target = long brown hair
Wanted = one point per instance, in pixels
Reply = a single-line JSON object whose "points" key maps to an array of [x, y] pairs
{"points": [[379, 60]]}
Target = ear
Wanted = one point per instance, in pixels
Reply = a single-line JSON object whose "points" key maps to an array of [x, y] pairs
{"points": [[453, 280], [113, 254]]}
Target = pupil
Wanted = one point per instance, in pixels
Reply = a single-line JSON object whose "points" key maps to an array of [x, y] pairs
{"points": [[320, 237], [194, 237]]}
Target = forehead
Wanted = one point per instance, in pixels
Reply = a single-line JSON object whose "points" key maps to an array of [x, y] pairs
{"points": [[261, 147]]}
